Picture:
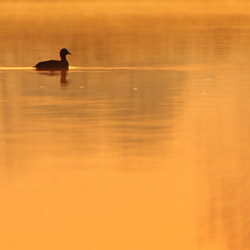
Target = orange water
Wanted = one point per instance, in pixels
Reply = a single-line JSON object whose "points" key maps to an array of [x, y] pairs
{"points": [[143, 144]]}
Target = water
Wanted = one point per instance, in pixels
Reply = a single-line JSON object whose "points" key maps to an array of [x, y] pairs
{"points": [[143, 144]]}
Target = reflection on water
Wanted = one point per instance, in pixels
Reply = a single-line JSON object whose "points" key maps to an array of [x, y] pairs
{"points": [[62, 73], [63, 79], [142, 144]]}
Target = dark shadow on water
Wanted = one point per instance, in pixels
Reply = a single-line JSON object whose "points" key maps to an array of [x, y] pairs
{"points": [[63, 78]]}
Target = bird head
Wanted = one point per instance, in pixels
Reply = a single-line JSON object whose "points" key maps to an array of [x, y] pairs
{"points": [[64, 52]]}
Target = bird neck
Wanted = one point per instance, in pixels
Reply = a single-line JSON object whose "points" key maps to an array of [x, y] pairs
{"points": [[63, 58]]}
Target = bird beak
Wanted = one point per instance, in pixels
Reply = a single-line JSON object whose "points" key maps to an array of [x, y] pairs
{"points": [[69, 53]]}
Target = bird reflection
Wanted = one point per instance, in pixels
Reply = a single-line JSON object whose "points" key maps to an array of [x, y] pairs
{"points": [[63, 76], [63, 79]]}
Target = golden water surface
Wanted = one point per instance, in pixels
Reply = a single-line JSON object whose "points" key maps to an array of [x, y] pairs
{"points": [[144, 142]]}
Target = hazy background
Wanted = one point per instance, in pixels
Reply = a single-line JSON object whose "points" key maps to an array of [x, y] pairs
{"points": [[140, 6], [158, 31]]}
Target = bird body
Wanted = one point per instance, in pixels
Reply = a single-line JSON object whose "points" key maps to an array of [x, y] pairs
{"points": [[53, 65]]}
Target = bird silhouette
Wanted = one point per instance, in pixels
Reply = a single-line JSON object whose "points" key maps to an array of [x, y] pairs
{"points": [[54, 65]]}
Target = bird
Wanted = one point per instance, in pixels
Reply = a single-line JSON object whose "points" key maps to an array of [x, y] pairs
{"points": [[54, 65]]}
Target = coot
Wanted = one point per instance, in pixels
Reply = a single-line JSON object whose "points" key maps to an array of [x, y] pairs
{"points": [[54, 64]]}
